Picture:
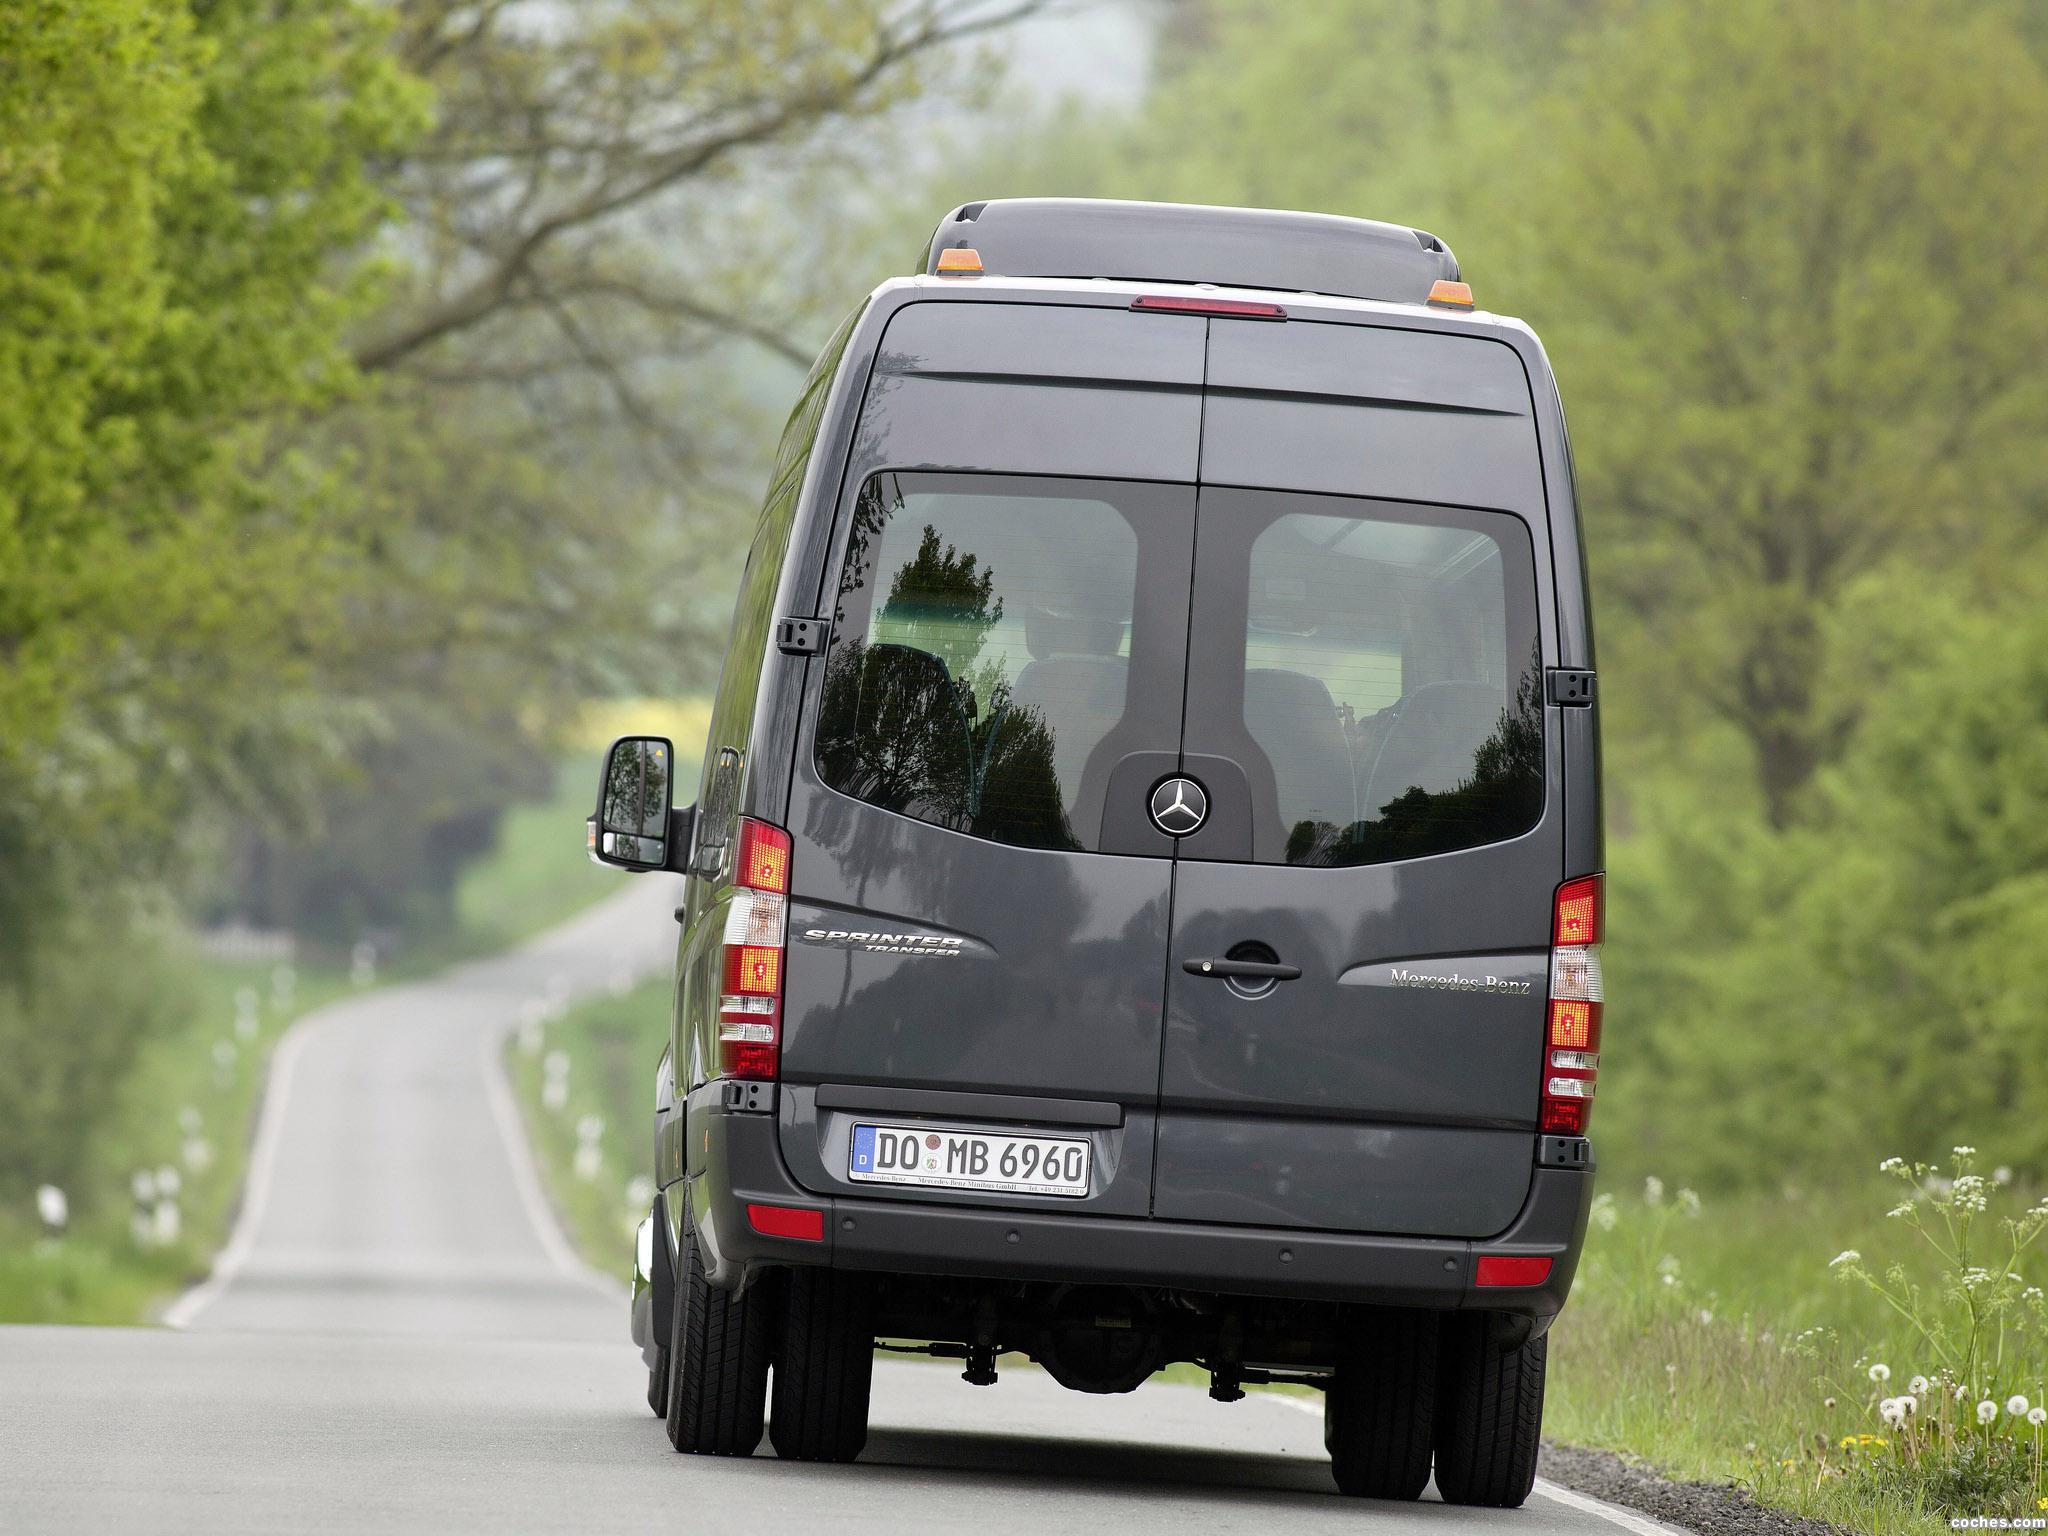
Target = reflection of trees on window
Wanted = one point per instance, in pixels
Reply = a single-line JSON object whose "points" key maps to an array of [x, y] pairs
{"points": [[1500, 797], [915, 719]]}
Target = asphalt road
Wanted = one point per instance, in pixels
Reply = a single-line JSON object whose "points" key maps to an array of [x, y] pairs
{"points": [[398, 1340]]}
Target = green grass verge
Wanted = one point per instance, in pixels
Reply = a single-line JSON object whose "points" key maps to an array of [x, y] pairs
{"points": [[190, 1101], [603, 1052], [188, 1106], [538, 873]]}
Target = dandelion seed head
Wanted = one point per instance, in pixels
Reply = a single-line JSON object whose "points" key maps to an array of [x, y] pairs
{"points": [[1917, 1384], [1880, 1372], [2037, 1416], [1986, 1411], [2017, 1406]]}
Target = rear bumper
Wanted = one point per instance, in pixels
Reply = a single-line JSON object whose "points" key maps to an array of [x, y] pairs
{"points": [[738, 1162]]}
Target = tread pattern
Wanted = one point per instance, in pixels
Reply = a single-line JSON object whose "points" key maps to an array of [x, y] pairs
{"points": [[1381, 1408], [825, 1368], [718, 1364], [1489, 1425]]}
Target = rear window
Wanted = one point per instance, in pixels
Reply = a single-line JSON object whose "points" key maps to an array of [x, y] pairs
{"points": [[993, 651], [1391, 675]]}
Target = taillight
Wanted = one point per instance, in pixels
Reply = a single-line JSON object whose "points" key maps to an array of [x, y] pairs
{"points": [[750, 1000], [1571, 1044]]}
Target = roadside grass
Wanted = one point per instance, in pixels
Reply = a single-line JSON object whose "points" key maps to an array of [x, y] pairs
{"points": [[1714, 1343], [182, 1120], [537, 875], [189, 1102], [593, 1135]]}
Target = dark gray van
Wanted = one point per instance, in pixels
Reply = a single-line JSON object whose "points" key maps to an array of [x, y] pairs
{"points": [[1144, 894]]}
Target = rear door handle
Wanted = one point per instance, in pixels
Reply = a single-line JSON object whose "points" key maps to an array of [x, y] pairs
{"points": [[1260, 970]]}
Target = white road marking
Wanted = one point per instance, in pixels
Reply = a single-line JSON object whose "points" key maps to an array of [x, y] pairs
{"points": [[1613, 1514], [526, 1178], [256, 1192]]}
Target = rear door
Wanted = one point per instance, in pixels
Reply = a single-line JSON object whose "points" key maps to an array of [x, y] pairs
{"points": [[1365, 718], [976, 936]]}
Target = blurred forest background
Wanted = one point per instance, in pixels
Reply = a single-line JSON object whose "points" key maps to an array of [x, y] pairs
{"points": [[380, 384]]}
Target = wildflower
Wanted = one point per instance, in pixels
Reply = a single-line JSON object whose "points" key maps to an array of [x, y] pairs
{"points": [[2001, 1174], [1890, 1411], [1986, 1411], [1966, 1151], [1917, 1385], [1706, 1317], [1605, 1213], [2037, 1417], [1827, 1402], [1892, 1165], [1880, 1372], [1653, 1190], [1846, 1256], [2016, 1405], [51, 1205], [1689, 1201], [1900, 1211]]}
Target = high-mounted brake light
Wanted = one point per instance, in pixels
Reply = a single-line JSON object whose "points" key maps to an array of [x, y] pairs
{"points": [[756, 931], [1571, 1042], [959, 261], [1178, 304], [1445, 294]]}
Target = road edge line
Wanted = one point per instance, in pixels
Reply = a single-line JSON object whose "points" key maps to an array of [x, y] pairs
{"points": [[228, 1263], [1613, 1514], [540, 1212]]}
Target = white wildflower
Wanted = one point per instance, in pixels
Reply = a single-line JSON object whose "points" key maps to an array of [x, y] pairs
{"points": [[1605, 1212], [1902, 1209], [1965, 1151], [2037, 1417], [1890, 1411], [1918, 1384], [1880, 1372], [2002, 1174], [1846, 1256], [1908, 1405], [1689, 1201], [51, 1205], [1892, 1165], [1653, 1190], [1986, 1411], [2016, 1405]]}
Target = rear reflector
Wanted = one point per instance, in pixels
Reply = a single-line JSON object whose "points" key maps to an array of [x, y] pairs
{"points": [[806, 1226], [1240, 309], [756, 929], [1511, 1269], [1571, 1046]]}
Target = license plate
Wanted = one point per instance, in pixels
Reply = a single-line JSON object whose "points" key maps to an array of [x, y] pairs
{"points": [[950, 1159]]}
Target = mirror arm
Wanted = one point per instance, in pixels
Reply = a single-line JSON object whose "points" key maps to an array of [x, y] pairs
{"points": [[682, 823]]}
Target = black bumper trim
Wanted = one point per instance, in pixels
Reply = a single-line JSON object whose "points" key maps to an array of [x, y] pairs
{"points": [[743, 1164]]}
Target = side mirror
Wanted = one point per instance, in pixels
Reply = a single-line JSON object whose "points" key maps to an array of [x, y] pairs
{"points": [[632, 827]]}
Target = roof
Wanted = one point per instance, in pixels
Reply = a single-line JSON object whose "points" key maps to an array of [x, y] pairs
{"points": [[1192, 243]]}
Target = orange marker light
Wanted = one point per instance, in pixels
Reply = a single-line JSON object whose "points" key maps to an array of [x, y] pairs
{"points": [[1446, 294], [959, 261]]}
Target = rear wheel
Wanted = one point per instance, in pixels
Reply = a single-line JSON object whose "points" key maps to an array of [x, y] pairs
{"points": [[825, 1367], [1489, 1424], [1380, 1407], [717, 1363]]}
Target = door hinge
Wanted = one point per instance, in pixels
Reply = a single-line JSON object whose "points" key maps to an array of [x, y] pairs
{"points": [[1571, 685], [800, 637]]}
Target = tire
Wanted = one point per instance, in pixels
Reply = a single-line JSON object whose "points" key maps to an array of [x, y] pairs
{"points": [[657, 1380], [825, 1367], [717, 1363], [1489, 1425], [1381, 1407]]}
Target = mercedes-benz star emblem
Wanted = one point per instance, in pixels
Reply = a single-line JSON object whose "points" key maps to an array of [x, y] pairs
{"points": [[1179, 806]]}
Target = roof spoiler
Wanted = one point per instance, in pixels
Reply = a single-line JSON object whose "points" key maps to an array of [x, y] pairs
{"points": [[1193, 243]]}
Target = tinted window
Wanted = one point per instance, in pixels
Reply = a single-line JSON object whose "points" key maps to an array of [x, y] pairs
{"points": [[997, 645], [1390, 702]]}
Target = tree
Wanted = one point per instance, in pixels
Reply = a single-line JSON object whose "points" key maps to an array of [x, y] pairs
{"points": [[1787, 258]]}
